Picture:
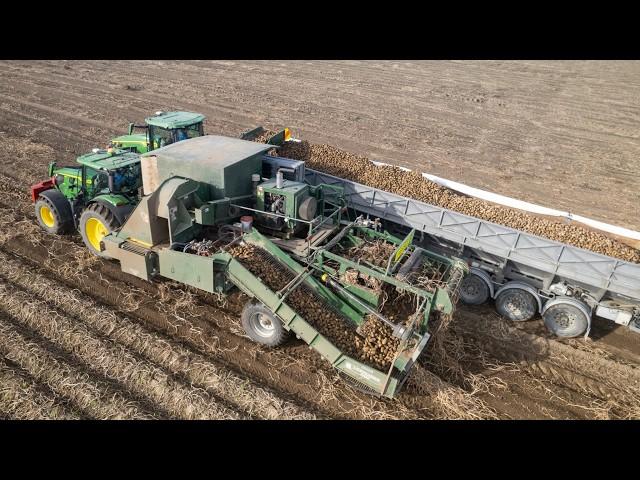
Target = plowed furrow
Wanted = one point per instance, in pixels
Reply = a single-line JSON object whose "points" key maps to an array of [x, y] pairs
{"points": [[96, 396], [114, 361], [24, 399], [191, 367]]}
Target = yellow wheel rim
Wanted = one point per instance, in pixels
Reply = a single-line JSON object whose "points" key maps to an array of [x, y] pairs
{"points": [[46, 215], [95, 231]]}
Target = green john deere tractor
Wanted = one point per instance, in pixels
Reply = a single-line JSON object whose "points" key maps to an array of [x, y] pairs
{"points": [[96, 196], [161, 129]]}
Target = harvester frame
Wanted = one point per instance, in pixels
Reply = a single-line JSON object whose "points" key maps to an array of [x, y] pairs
{"points": [[195, 186]]}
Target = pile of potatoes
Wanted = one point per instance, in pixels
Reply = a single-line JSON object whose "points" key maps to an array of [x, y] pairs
{"points": [[358, 168], [374, 347], [378, 346]]}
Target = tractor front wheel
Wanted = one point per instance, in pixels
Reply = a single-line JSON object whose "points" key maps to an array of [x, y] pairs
{"points": [[96, 222], [54, 213]]}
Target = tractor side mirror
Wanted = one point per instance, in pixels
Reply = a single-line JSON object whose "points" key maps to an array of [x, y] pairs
{"points": [[59, 179], [52, 166], [130, 128]]}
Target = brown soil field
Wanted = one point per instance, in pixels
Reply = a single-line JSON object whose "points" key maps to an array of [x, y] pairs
{"points": [[80, 339]]}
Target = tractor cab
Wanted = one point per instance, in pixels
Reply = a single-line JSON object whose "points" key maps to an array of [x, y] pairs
{"points": [[109, 172], [161, 129]]}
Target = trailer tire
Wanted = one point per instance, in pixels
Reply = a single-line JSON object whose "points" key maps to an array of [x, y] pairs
{"points": [[516, 304], [95, 222], [566, 319], [54, 212], [474, 290], [262, 325]]}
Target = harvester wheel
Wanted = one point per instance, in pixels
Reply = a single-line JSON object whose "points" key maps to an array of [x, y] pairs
{"points": [[54, 213], [95, 222], [262, 325]]}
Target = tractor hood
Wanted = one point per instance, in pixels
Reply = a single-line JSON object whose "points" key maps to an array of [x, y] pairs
{"points": [[135, 138]]}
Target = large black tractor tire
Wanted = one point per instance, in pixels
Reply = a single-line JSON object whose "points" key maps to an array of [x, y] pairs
{"points": [[54, 212], [263, 326], [95, 222]]}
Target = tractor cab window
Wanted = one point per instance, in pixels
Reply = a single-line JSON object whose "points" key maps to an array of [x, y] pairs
{"points": [[95, 180], [159, 137], [191, 131], [127, 179]]}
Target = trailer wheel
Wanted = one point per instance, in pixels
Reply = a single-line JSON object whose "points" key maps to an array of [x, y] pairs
{"points": [[95, 223], [474, 290], [53, 212], [262, 325], [565, 320], [516, 304]]}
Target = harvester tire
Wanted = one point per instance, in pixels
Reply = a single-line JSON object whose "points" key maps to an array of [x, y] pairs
{"points": [[54, 212], [95, 222], [262, 325]]}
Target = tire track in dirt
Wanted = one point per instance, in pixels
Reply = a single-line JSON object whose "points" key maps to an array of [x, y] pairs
{"points": [[615, 384], [173, 375], [149, 103]]}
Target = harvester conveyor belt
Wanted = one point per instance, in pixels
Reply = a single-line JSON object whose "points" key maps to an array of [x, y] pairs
{"points": [[593, 269]]}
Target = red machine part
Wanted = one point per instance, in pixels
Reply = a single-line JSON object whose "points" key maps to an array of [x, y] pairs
{"points": [[38, 188]]}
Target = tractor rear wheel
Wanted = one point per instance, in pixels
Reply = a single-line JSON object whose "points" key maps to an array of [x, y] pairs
{"points": [[54, 213], [96, 222], [262, 325]]}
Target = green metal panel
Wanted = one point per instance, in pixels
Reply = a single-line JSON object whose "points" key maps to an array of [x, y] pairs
{"points": [[115, 200], [72, 180], [137, 141], [193, 270], [212, 212]]}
